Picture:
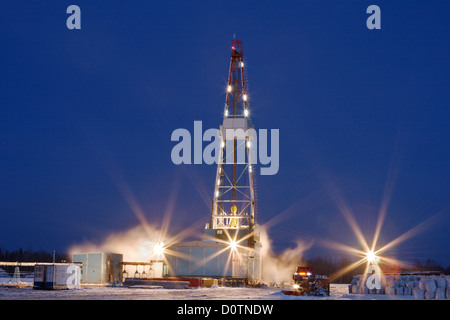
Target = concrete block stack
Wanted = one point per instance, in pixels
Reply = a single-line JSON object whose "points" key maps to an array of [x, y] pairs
{"points": [[419, 286]]}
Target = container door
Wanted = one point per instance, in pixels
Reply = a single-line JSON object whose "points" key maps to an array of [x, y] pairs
{"points": [[94, 270], [48, 277]]}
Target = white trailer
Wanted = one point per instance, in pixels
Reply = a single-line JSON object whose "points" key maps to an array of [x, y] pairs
{"points": [[56, 276]]}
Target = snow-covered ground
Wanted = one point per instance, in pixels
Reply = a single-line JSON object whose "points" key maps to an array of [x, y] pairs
{"points": [[338, 292]]}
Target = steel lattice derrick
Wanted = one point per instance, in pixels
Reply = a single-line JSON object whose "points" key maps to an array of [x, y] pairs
{"points": [[234, 202]]}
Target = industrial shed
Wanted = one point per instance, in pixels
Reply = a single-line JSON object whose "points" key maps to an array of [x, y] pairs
{"points": [[99, 267], [210, 259]]}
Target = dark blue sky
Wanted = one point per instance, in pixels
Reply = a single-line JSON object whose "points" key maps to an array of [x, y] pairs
{"points": [[85, 111]]}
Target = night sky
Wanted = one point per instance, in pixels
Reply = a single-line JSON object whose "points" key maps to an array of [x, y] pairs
{"points": [[86, 118]]}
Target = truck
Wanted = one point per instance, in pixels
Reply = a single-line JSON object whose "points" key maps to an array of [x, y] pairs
{"points": [[308, 283]]}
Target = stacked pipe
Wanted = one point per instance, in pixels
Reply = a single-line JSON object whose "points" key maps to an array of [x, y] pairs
{"points": [[418, 286]]}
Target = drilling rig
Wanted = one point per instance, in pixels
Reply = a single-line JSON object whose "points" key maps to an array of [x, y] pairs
{"points": [[231, 238], [233, 216]]}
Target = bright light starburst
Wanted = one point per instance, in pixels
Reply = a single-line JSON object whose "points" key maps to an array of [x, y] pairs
{"points": [[159, 248], [370, 256]]}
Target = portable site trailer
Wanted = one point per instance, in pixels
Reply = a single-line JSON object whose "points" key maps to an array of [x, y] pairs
{"points": [[56, 276], [100, 267]]}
